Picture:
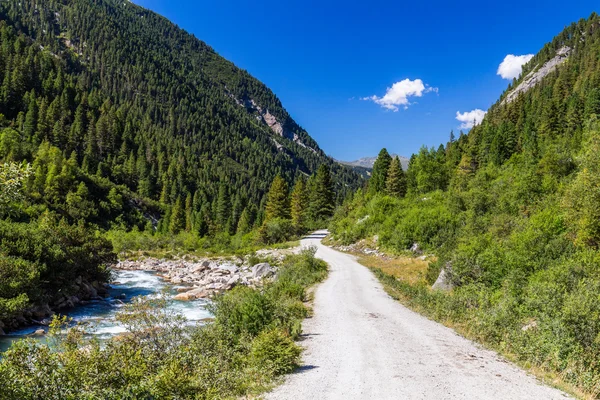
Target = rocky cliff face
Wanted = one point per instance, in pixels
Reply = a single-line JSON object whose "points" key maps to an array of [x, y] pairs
{"points": [[536, 76], [264, 116]]}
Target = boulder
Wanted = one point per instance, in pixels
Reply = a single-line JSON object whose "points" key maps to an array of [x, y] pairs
{"points": [[41, 311], [39, 332], [198, 293], [184, 297], [233, 280], [199, 268], [262, 270], [443, 281], [232, 269]]}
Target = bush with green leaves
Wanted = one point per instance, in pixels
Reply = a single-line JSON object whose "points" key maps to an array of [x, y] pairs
{"points": [[276, 230], [42, 258]]}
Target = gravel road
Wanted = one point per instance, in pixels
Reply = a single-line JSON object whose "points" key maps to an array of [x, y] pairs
{"points": [[362, 344]]}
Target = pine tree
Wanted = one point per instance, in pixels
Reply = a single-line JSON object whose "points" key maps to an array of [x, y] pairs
{"points": [[299, 204], [322, 194], [380, 169], [177, 222], [188, 213], [245, 223], [223, 207], [277, 200], [31, 117], [395, 184]]}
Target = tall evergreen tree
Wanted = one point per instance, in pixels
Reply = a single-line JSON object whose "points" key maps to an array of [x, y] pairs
{"points": [[223, 207], [380, 169], [177, 222], [245, 222], [395, 184], [299, 204], [277, 200], [322, 195]]}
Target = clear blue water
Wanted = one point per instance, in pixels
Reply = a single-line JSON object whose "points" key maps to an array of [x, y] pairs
{"points": [[100, 314]]}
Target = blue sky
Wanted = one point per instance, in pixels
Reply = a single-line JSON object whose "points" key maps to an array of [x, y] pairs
{"points": [[323, 58]]}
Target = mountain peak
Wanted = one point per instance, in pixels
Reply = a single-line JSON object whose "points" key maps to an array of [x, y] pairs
{"points": [[367, 162]]}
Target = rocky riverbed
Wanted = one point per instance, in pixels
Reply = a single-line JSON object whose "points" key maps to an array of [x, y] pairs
{"points": [[189, 282], [203, 278]]}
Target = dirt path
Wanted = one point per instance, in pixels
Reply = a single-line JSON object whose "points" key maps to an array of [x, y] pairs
{"points": [[362, 344]]}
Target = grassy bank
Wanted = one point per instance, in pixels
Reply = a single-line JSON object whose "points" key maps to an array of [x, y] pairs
{"points": [[249, 345]]}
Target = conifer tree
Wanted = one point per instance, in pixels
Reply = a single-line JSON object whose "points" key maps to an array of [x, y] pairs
{"points": [[322, 194], [222, 207], [395, 183], [31, 117], [380, 169], [299, 204], [177, 222], [277, 200], [188, 213], [245, 223]]}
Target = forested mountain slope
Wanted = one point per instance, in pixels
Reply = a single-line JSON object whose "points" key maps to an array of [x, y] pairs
{"points": [[511, 210], [108, 94]]}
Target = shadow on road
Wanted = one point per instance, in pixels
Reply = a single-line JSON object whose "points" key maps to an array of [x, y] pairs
{"points": [[303, 368]]}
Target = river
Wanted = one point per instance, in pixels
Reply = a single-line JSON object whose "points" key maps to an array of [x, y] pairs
{"points": [[101, 313]]}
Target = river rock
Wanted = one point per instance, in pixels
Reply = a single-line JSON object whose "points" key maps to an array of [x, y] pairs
{"points": [[232, 269], [39, 332], [261, 270], [183, 297], [198, 293], [233, 280], [41, 311]]}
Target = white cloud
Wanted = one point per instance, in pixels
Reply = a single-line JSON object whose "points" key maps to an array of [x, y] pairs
{"points": [[470, 118], [512, 65], [399, 93]]}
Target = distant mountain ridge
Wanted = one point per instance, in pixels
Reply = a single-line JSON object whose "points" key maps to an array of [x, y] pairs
{"points": [[367, 162]]}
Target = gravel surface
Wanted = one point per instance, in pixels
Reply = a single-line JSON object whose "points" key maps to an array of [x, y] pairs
{"points": [[362, 344]]}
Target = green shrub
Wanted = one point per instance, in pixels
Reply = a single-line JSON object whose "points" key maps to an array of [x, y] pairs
{"points": [[275, 351], [276, 230], [243, 310]]}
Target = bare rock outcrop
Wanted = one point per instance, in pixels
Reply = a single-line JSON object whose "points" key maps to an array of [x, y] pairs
{"points": [[536, 76]]}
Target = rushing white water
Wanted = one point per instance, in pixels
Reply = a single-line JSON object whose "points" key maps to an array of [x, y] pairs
{"points": [[100, 314]]}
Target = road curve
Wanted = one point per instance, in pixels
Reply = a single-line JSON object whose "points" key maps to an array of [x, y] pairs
{"points": [[362, 344]]}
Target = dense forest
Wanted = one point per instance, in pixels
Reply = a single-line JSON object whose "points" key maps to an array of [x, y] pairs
{"points": [[511, 210], [112, 119], [119, 98]]}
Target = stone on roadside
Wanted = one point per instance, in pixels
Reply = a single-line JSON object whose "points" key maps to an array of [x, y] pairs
{"points": [[443, 281]]}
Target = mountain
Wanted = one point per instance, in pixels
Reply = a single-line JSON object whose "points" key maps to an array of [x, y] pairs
{"points": [[127, 101], [367, 162], [511, 212]]}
